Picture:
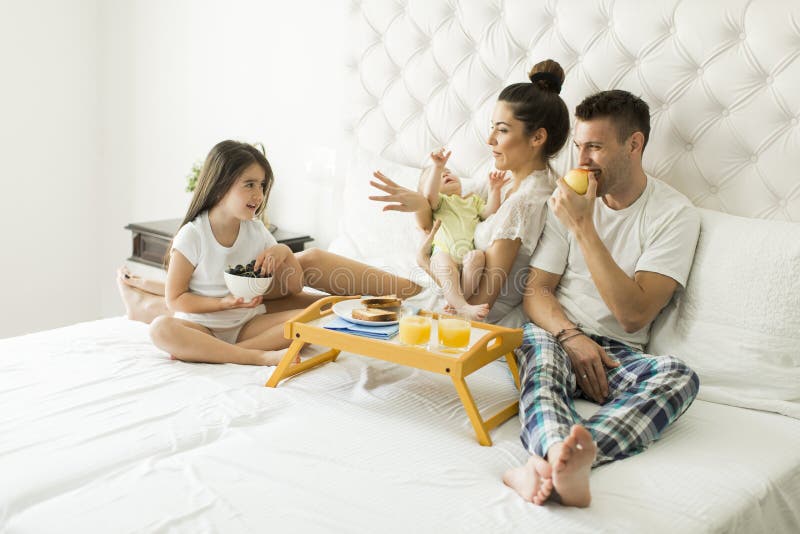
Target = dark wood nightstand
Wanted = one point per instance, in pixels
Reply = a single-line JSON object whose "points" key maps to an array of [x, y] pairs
{"points": [[151, 240]]}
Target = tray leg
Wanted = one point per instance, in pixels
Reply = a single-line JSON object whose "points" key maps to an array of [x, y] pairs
{"points": [[472, 411], [286, 369], [319, 359], [512, 365], [280, 372], [502, 416]]}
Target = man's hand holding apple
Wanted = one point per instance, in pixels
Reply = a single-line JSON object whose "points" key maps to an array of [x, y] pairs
{"points": [[573, 210]]}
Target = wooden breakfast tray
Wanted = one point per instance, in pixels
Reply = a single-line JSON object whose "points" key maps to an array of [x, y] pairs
{"points": [[487, 344]]}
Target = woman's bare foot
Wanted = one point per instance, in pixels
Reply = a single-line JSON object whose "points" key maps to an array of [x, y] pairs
{"points": [[274, 357], [140, 305], [572, 462], [532, 481], [132, 298], [154, 287], [124, 276], [474, 312]]}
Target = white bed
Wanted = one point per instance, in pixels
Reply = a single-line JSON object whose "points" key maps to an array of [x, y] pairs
{"points": [[101, 432]]}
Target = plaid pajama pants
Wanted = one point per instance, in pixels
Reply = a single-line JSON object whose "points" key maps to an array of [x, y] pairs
{"points": [[645, 394]]}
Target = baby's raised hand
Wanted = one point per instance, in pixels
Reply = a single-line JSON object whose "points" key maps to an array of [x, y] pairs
{"points": [[497, 179], [440, 157]]}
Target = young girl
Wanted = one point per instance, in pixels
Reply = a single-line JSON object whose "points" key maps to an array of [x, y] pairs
{"points": [[220, 229]]}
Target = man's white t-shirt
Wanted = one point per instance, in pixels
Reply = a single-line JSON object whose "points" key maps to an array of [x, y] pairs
{"points": [[657, 233], [196, 241]]}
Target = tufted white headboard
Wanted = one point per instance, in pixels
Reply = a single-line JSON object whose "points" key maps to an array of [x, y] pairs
{"points": [[722, 78]]}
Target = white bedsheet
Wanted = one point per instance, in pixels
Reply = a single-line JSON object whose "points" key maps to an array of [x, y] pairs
{"points": [[101, 432]]}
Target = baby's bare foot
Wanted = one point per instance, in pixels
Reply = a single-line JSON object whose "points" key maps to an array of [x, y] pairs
{"points": [[531, 481], [474, 312], [572, 463]]}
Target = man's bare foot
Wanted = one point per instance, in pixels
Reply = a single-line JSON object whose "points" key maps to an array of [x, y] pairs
{"points": [[274, 357], [532, 481], [474, 312], [572, 462]]}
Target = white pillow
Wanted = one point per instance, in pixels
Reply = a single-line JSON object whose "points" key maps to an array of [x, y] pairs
{"points": [[737, 324]]}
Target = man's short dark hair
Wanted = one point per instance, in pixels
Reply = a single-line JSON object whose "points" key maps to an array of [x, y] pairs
{"points": [[628, 112]]}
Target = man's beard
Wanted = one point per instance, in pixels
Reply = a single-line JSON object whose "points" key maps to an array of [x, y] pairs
{"points": [[610, 177]]}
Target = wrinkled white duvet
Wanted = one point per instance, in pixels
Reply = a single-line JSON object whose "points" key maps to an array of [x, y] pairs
{"points": [[101, 432]]}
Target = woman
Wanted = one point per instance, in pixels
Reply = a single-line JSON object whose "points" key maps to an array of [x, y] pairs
{"points": [[530, 124]]}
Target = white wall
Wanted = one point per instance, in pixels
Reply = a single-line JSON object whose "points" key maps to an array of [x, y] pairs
{"points": [[178, 76], [105, 106], [49, 219]]}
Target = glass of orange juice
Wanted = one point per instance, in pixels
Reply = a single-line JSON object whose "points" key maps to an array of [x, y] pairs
{"points": [[414, 329], [454, 331]]}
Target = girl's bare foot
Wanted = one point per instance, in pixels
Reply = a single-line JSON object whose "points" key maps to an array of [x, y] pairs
{"points": [[274, 357], [474, 312], [572, 462], [532, 481]]}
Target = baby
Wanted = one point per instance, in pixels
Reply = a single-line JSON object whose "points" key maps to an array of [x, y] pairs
{"points": [[452, 259]]}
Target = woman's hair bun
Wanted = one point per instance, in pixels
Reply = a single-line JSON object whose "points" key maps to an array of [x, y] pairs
{"points": [[547, 75]]}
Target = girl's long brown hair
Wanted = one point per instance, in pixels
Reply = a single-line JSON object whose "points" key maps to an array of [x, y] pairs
{"points": [[222, 167]]}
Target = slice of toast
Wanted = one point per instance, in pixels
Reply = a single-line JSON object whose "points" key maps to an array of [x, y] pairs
{"points": [[372, 314], [389, 301]]}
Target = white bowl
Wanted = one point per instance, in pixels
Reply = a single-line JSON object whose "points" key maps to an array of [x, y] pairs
{"points": [[246, 287]]}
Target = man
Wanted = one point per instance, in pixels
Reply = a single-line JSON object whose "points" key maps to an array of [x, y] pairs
{"points": [[607, 263]]}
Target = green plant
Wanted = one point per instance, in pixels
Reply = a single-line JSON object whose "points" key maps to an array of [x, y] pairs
{"points": [[191, 178]]}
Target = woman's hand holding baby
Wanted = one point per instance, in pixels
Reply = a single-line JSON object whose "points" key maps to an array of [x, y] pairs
{"points": [[424, 249]]}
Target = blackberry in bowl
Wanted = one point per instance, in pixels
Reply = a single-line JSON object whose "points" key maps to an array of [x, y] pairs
{"points": [[244, 282]]}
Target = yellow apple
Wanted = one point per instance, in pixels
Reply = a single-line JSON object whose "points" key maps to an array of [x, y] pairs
{"points": [[578, 180]]}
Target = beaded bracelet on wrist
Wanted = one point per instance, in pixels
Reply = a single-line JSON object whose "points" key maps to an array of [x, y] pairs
{"points": [[565, 339], [568, 333], [564, 331]]}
